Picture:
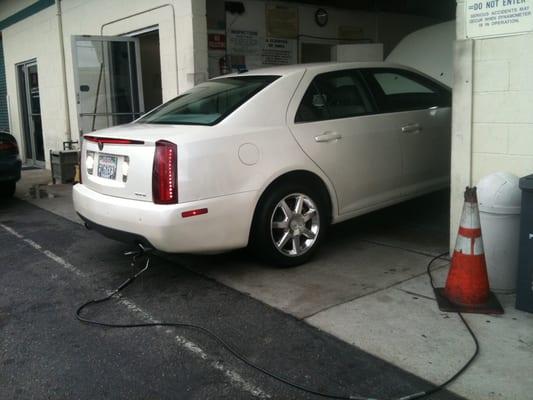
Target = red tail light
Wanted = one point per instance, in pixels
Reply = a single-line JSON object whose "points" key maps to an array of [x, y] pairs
{"points": [[164, 180], [9, 147]]}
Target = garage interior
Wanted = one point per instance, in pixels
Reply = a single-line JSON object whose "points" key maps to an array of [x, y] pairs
{"points": [[238, 30], [419, 228], [150, 68]]}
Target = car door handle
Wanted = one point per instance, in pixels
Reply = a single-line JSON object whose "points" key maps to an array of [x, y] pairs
{"points": [[328, 137], [411, 128]]}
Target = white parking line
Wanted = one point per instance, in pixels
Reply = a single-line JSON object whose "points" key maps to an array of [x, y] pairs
{"points": [[234, 377], [47, 253]]}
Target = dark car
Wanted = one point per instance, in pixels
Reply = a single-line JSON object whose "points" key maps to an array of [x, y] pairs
{"points": [[10, 164]]}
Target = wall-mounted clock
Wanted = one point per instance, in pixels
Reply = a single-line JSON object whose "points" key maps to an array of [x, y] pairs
{"points": [[321, 17]]}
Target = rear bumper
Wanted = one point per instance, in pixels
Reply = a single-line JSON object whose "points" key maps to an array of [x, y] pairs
{"points": [[226, 226], [10, 170], [115, 234]]}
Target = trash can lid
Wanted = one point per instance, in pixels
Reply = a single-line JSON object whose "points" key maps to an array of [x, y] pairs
{"points": [[499, 193], [526, 182]]}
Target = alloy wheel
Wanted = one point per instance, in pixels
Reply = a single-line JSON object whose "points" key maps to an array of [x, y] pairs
{"points": [[295, 224]]}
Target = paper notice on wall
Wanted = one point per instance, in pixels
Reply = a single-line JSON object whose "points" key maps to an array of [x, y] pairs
{"points": [[498, 17], [279, 51], [244, 42], [282, 21]]}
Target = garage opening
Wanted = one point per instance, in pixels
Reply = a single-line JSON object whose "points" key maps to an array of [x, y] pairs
{"points": [[117, 78], [379, 248], [150, 68]]}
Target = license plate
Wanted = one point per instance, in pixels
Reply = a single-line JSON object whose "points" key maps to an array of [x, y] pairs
{"points": [[107, 166]]}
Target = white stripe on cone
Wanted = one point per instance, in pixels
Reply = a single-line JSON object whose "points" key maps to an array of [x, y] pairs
{"points": [[470, 216], [464, 245]]}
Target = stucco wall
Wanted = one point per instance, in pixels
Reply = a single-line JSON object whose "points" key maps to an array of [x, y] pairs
{"points": [[36, 38], [183, 52], [500, 135]]}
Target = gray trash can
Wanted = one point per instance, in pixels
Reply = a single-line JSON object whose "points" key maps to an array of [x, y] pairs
{"points": [[499, 213], [524, 287]]}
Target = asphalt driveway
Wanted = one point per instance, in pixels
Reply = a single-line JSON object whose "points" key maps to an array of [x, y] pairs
{"points": [[50, 265]]}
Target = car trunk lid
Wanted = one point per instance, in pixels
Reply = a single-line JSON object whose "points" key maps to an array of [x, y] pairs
{"points": [[119, 161]]}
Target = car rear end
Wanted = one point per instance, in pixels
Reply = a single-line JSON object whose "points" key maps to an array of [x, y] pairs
{"points": [[10, 163], [130, 191], [171, 179]]}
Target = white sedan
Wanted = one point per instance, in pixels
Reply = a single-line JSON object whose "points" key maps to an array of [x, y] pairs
{"points": [[268, 158]]}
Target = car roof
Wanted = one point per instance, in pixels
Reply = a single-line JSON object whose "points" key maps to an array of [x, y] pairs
{"points": [[323, 66]]}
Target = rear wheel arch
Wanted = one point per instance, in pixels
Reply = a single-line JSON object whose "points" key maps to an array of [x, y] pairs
{"points": [[300, 176], [282, 245]]}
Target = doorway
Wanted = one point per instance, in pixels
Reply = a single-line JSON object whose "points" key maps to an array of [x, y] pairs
{"points": [[31, 113], [108, 80], [150, 68], [315, 52]]}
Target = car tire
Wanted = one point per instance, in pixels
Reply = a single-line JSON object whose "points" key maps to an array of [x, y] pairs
{"points": [[7, 189], [289, 224]]}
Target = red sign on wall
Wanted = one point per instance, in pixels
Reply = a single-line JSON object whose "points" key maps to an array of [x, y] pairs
{"points": [[216, 41]]}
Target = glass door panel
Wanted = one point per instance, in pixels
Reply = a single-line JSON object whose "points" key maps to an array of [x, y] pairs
{"points": [[108, 81]]}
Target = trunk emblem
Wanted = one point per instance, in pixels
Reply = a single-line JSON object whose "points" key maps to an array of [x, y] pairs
{"points": [[100, 145]]}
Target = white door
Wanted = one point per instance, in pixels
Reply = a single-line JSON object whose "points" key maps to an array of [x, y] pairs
{"points": [[108, 81], [422, 112], [334, 120]]}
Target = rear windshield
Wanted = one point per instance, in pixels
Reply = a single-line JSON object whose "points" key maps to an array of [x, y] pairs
{"points": [[209, 102]]}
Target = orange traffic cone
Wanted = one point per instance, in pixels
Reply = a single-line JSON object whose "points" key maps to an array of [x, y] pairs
{"points": [[467, 286]]}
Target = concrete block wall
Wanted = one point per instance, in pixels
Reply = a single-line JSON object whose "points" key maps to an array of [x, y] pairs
{"points": [[503, 106], [493, 127]]}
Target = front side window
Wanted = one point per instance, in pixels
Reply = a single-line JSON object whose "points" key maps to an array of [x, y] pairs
{"points": [[333, 95], [399, 90], [209, 102]]}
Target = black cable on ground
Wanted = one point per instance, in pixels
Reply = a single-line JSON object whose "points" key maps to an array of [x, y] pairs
{"points": [[236, 353]]}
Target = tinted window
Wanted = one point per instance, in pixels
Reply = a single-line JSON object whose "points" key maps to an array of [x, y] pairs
{"points": [[398, 90], [209, 102], [338, 94], [393, 83]]}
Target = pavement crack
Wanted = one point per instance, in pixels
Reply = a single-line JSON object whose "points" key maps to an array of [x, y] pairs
{"points": [[417, 294]]}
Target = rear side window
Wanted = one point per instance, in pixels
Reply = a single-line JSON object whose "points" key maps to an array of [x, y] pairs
{"points": [[399, 90], [333, 95], [210, 102]]}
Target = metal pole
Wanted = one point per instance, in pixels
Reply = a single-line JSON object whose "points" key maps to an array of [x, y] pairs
{"points": [[68, 132]]}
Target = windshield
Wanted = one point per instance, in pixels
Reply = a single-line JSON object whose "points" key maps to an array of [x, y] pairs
{"points": [[209, 102]]}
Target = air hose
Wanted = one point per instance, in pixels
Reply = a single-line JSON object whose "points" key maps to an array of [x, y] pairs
{"points": [[237, 354]]}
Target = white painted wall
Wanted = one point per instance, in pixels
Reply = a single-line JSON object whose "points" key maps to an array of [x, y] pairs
{"points": [[36, 38], [182, 34], [501, 131]]}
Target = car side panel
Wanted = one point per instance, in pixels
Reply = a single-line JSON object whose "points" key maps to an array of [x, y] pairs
{"points": [[246, 151], [364, 164], [240, 163]]}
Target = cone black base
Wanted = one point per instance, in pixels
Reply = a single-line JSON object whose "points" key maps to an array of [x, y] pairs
{"points": [[491, 306]]}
